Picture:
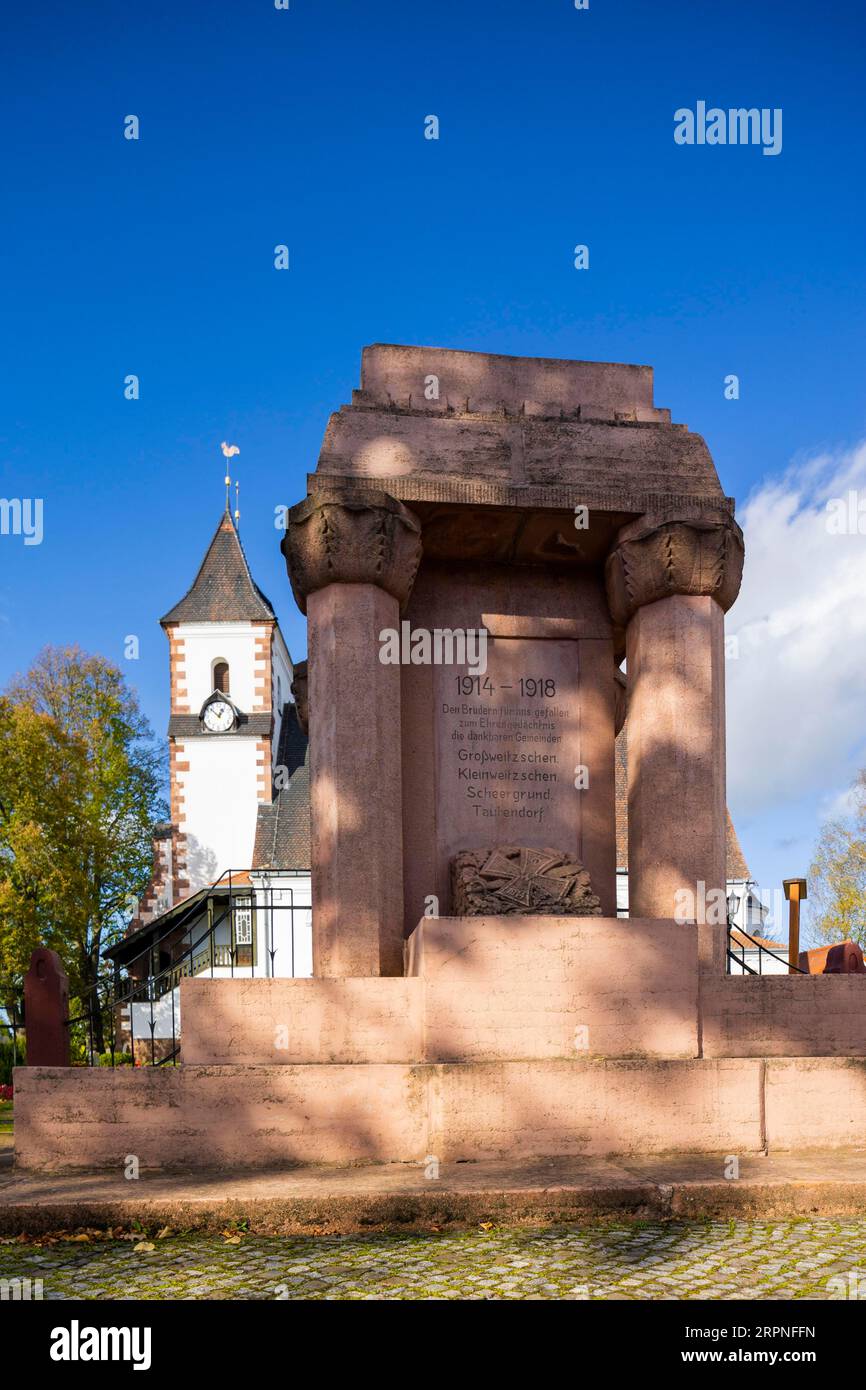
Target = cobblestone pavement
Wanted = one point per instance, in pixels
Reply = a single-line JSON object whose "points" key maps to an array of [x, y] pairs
{"points": [[678, 1260]]}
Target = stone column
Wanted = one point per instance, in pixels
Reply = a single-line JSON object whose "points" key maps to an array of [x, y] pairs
{"points": [[670, 581], [352, 558]]}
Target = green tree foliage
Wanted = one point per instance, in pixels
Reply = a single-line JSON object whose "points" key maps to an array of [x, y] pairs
{"points": [[837, 878], [80, 788]]}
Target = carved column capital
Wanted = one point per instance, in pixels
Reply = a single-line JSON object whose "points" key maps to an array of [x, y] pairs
{"points": [[656, 557], [352, 537]]}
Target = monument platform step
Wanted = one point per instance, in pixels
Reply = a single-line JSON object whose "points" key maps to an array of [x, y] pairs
{"points": [[307, 1201]]}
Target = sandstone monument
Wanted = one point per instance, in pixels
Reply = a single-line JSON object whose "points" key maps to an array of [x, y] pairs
{"points": [[551, 506], [503, 562]]}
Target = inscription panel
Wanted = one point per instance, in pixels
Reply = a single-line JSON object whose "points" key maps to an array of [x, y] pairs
{"points": [[508, 748]]}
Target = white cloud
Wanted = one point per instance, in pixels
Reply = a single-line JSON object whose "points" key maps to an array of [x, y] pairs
{"points": [[797, 690], [839, 805]]}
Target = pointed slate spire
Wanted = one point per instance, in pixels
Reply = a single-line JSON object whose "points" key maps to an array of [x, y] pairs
{"points": [[223, 591]]}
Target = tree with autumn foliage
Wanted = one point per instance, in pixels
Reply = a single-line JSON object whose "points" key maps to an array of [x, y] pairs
{"points": [[80, 788], [837, 878]]}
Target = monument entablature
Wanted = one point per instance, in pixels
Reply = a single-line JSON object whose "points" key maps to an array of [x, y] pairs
{"points": [[437, 425]]}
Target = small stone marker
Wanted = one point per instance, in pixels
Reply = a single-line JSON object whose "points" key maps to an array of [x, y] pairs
{"points": [[46, 1010]]}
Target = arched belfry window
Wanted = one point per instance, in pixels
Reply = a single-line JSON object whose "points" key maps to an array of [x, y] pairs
{"points": [[221, 677]]}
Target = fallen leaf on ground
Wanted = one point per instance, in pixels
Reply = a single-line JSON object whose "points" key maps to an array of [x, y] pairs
{"points": [[142, 1246]]}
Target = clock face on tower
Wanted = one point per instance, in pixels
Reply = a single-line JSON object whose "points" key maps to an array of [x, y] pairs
{"points": [[218, 716]]}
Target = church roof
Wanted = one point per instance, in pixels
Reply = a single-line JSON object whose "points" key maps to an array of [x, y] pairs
{"points": [[223, 591], [283, 827], [750, 942]]}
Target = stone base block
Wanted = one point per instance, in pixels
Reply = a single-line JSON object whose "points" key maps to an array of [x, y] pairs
{"points": [[265, 1022], [784, 1015], [477, 989], [263, 1117], [506, 988], [524, 1110], [825, 1096], [194, 1117]]}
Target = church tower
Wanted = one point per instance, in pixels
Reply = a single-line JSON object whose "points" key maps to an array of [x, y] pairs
{"points": [[231, 677]]}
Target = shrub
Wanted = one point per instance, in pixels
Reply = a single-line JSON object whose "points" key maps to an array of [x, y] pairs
{"points": [[121, 1059], [10, 1056]]}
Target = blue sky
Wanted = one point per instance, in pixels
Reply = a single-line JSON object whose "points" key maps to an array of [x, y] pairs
{"points": [[305, 126]]}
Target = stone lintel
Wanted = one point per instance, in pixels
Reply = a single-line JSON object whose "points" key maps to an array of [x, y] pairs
{"points": [[433, 425], [629, 501]]}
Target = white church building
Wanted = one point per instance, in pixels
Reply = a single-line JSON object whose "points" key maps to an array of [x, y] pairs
{"points": [[230, 889]]}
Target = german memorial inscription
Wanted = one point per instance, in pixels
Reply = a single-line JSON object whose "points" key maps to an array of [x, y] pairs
{"points": [[509, 746]]}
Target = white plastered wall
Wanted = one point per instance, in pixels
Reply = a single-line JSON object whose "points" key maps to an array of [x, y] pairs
{"points": [[205, 643], [220, 804]]}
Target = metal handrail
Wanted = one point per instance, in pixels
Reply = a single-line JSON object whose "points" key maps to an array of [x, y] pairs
{"points": [[236, 891], [105, 996], [762, 951]]}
